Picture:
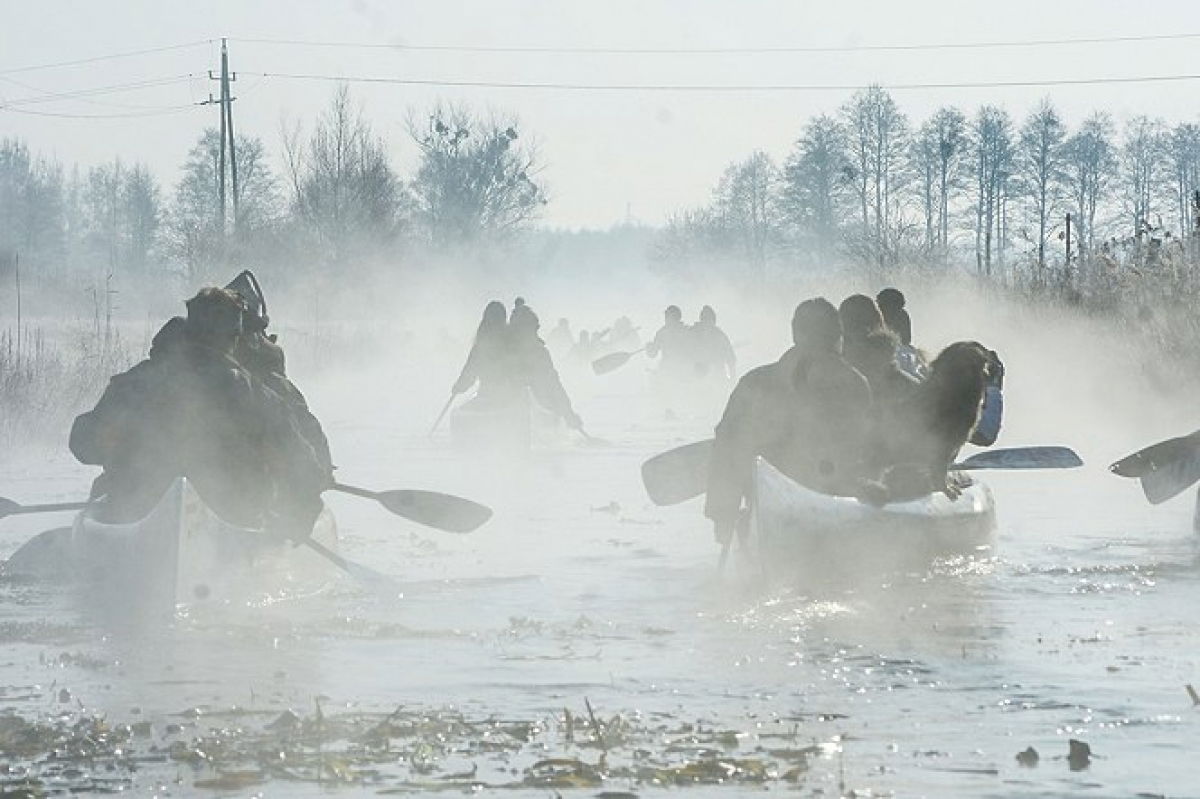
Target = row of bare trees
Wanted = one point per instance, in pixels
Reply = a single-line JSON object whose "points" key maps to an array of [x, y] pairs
{"points": [[869, 186], [335, 200]]}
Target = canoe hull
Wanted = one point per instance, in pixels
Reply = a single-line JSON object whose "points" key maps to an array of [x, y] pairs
{"points": [[506, 427], [795, 526], [182, 554]]}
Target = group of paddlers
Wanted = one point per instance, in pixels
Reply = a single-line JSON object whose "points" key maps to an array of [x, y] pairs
{"points": [[853, 409], [509, 361]]}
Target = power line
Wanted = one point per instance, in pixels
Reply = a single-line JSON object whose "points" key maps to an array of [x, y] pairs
{"points": [[849, 48], [108, 57], [164, 111], [51, 97], [633, 87]]}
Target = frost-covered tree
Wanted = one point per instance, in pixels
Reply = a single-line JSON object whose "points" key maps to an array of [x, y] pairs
{"points": [[877, 136], [477, 178], [1039, 165], [814, 185], [32, 219], [1182, 147], [744, 206], [993, 150], [1090, 163], [939, 157], [344, 194], [194, 231], [1143, 170]]}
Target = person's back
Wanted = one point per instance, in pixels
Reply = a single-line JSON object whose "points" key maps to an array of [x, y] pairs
{"points": [[808, 414], [533, 368], [871, 348], [489, 363], [673, 342], [190, 410], [712, 349]]}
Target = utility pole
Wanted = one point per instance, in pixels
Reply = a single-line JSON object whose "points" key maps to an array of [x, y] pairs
{"points": [[226, 102]]}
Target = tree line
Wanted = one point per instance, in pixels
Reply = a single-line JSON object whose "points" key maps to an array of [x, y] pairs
{"points": [[336, 201], [983, 191]]}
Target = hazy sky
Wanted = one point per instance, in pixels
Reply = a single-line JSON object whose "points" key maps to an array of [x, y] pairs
{"points": [[607, 153]]}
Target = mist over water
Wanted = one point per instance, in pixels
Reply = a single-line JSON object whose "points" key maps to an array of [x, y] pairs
{"points": [[1076, 623]]}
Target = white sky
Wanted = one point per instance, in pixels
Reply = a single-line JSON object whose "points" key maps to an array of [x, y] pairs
{"points": [[606, 153]]}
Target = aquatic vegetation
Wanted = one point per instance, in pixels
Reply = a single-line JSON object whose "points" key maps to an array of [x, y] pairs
{"points": [[405, 751]]}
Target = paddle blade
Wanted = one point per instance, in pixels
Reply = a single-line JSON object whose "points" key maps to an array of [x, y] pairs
{"points": [[8, 507], [679, 474], [1171, 479], [444, 512], [1156, 456], [614, 360], [1023, 458]]}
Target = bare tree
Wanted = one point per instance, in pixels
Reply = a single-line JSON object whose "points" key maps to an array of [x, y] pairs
{"points": [[744, 205], [992, 134], [939, 154], [193, 230], [1183, 160], [475, 180], [344, 192], [1039, 164], [877, 136], [815, 181], [1090, 164], [32, 213], [1142, 170]]}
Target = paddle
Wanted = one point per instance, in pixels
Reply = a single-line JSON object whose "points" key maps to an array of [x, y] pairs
{"points": [[10, 508], [614, 360], [1022, 458], [1165, 469], [442, 415], [680, 474], [358, 571], [444, 512]]}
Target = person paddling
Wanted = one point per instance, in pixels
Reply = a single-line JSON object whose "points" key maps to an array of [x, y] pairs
{"points": [[673, 343], [713, 351], [533, 368], [190, 409], [808, 413], [891, 302]]}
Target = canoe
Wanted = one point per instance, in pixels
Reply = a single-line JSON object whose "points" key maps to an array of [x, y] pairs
{"points": [[180, 554], [511, 426], [795, 525]]}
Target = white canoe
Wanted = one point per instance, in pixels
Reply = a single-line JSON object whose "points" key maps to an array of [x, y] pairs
{"points": [[794, 524], [181, 553]]}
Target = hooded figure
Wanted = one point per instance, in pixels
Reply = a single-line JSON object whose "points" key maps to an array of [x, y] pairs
{"points": [[891, 305], [533, 367], [714, 354], [191, 410], [673, 342], [485, 364], [871, 348], [808, 413]]}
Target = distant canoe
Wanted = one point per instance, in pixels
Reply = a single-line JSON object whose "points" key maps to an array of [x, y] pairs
{"points": [[795, 524], [180, 553], [512, 426]]}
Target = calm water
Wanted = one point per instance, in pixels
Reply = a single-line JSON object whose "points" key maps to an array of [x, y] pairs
{"points": [[1079, 623]]}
